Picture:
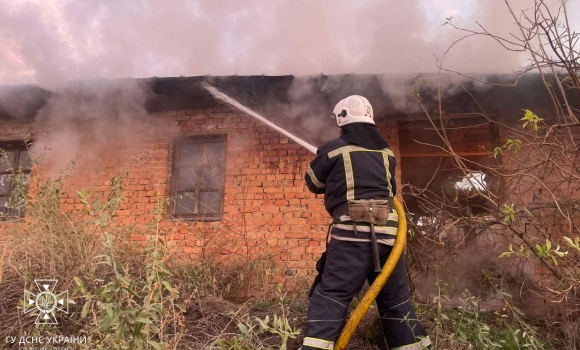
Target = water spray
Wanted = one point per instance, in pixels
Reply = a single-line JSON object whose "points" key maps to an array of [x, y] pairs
{"points": [[231, 101], [393, 258]]}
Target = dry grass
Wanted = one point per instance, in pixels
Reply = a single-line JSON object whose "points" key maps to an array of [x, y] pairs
{"points": [[53, 244]]}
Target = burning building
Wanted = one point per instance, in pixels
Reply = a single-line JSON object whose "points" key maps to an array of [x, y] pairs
{"points": [[230, 187]]}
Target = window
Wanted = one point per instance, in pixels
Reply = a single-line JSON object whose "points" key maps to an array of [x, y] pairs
{"points": [[198, 177], [15, 165]]}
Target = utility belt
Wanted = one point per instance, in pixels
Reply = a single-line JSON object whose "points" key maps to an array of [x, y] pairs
{"points": [[342, 213], [367, 211]]}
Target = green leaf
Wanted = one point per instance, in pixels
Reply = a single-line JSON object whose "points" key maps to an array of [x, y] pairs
{"points": [[78, 281], [154, 344], [119, 333], [143, 320], [510, 212], [513, 144], [85, 310], [497, 151], [181, 307], [573, 244], [559, 253], [531, 119], [169, 287], [164, 269], [504, 255], [242, 327], [109, 310]]}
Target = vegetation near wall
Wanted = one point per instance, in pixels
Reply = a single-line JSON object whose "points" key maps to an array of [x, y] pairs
{"points": [[515, 215], [122, 294], [125, 294]]}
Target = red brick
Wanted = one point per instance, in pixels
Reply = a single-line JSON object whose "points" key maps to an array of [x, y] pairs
{"points": [[267, 207]]}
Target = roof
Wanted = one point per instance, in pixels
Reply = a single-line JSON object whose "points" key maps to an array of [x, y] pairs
{"points": [[391, 96]]}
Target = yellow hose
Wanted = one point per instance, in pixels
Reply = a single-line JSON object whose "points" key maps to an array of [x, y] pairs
{"points": [[380, 281]]}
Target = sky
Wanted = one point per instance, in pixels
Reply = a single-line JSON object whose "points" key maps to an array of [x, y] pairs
{"points": [[50, 41]]}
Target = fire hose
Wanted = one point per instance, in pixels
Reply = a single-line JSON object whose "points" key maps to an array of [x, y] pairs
{"points": [[393, 258], [379, 282]]}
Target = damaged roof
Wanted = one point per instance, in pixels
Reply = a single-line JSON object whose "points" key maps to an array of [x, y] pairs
{"points": [[391, 96]]}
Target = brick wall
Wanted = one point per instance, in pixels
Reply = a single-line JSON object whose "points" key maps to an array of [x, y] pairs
{"points": [[268, 213]]}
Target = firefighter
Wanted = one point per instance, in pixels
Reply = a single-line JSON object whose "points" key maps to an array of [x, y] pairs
{"points": [[356, 174]]}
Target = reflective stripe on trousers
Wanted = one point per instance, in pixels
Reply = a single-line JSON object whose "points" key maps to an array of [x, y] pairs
{"points": [[417, 346], [318, 343], [348, 265]]}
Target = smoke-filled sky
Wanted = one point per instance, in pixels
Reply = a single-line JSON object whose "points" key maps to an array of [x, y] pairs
{"points": [[50, 41]]}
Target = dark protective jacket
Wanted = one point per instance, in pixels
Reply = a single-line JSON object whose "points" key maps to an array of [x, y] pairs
{"points": [[345, 171]]}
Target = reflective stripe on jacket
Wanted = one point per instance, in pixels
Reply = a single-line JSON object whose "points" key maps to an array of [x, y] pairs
{"points": [[343, 172]]}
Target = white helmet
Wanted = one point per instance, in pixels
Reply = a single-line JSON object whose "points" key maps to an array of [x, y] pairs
{"points": [[353, 109]]}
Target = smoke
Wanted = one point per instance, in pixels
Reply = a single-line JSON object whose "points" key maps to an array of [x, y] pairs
{"points": [[85, 121], [48, 41]]}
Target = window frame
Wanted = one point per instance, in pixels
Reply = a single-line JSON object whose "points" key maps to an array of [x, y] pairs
{"points": [[19, 147], [174, 178]]}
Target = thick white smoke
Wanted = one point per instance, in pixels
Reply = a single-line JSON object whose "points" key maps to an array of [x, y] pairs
{"points": [[48, 41]]}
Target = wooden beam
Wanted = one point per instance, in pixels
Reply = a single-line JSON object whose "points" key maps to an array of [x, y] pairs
{"points": [[437, 152], [457, 135]]}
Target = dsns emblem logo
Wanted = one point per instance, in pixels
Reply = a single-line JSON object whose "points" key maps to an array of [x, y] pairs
{"points": [[46, 302]]}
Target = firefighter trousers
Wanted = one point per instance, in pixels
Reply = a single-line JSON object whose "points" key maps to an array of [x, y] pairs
{"points": [[348, 265]]}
